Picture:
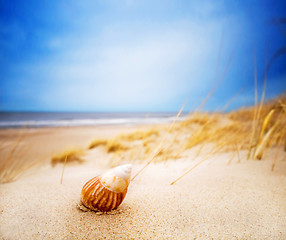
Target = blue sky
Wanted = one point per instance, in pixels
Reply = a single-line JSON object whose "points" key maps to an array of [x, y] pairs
{"points": [[129, 55]]}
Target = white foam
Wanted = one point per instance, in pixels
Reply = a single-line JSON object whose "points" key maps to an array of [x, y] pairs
{"points": [[84, 122]]}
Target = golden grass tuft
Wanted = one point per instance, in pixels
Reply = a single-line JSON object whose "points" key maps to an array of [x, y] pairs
{"points": [[202, 133], [245, 114], [266, 138], [225, 136], [98, 142], [196, 118], [111, 145], [124, 143], [139, 135], [265, 123], [115, 146], [68, 156]]}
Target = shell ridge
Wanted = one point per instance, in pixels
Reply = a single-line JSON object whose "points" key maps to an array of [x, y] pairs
{"points": [[97, 186], [99, 194], [110, 200], [91, 195], [101, 204], [85, 193], [119, 199], [114, 203], [89, 190], [89, 183], [96, 199]]}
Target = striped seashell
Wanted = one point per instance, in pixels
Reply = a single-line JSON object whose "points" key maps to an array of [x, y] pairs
{"points": [[106, 192]]}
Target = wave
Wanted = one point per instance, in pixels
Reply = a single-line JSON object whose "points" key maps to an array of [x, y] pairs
{"points": [[84, 122]]}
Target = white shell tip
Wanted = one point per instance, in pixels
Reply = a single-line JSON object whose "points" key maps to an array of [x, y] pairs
{"points": [[123, 171]]}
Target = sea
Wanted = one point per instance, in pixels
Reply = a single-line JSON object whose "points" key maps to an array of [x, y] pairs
{"points": [[71, 119]]}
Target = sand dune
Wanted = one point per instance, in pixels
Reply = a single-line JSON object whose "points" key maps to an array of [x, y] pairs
{"points": [[243, 200]]}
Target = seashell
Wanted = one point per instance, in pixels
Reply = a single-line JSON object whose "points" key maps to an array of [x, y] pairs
{"points": [[106, 192]]}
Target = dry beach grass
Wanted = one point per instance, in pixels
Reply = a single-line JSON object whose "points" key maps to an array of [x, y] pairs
{"points": [[227, 132]]}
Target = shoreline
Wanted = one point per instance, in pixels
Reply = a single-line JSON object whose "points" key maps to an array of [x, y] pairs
{"points": [[76, 119]]}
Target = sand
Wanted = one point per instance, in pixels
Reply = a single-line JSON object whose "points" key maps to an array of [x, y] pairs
{"points": [[243, 200]]}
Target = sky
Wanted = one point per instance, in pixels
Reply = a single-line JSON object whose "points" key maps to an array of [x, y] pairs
{"points": [[138, 56]]}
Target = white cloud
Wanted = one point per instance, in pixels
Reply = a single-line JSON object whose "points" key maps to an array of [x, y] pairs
{"points": [[124, 68]]}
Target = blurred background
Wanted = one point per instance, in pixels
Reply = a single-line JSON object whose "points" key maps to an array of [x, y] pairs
{"points": [[138, 56]]}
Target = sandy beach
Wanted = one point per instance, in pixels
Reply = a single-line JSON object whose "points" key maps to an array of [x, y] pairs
{"points": [[217, 200], [143, 120]]}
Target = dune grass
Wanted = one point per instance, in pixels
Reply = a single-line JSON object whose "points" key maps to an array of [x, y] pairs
{"points": [[225, 132], [71, 155], [114, 146], [98, 142], [121, 143], [139, 135], [13, 162], [266, 138], [270, 118], [196, 118], [110, 145], [221, 134]]}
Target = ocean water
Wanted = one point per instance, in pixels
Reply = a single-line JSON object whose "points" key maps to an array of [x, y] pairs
{"points": [[65, 119]]}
